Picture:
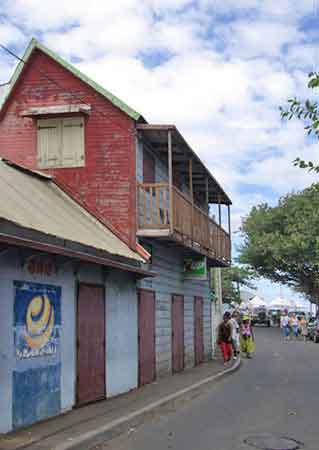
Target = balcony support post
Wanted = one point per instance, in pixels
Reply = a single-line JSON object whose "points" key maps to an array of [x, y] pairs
{"points": [[190, 173], [207, 195], [208, 236], [170, 180], [219, 245], [229, 232], [219, 212]]}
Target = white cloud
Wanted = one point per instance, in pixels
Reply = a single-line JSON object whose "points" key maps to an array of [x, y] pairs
{"points": [[221, 81]]}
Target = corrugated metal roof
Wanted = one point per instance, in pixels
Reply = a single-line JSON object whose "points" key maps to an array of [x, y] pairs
{"points": [[34, 201], [34, 44]]}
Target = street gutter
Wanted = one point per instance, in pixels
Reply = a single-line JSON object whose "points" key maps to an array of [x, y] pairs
{"points": [[116, 427]]}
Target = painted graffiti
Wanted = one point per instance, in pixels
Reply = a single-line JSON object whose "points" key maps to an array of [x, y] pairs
{"points": [[37, 319]]}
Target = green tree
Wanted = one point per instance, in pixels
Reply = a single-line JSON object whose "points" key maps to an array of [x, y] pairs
{"points": [[282, 243], [307, 112], [232, 279]]}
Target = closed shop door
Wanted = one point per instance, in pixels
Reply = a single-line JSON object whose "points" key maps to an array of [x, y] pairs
{"points": [[198, 330], [90, 344], [146, 336], [177, 333]]}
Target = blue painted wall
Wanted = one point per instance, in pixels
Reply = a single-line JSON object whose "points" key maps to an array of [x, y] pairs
{"points": [[38, 387]]}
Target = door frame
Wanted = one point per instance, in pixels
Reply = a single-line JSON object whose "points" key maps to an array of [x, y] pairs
{"points": [[139, 290], [99, 285], [172, 332], [195, 299]]}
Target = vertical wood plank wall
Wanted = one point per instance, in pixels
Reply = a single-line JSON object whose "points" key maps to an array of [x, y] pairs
{"points": [[168, 264]]}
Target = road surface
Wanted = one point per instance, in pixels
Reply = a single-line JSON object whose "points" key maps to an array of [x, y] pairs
{"points": [[273, 396]]}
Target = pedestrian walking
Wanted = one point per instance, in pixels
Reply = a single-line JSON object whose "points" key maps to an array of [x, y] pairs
{"points": [[235, 334], [225, 338], [303, 327], [294, 325], [247, 340], [284, 325]]}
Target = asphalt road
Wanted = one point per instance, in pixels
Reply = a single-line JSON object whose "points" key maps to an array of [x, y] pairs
{"points": [[274, 394]]}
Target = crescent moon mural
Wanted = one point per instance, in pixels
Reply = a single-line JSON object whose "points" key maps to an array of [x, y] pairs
{"points": [[39, 322]]}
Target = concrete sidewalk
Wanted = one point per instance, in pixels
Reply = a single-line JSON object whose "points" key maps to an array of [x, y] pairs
{"points": [[85, 427]]}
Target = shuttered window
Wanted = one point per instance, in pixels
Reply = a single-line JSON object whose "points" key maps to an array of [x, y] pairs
{"points": [[61, 142]]}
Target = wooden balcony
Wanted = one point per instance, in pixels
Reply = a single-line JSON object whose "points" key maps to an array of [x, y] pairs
{"points": [[165, 212]]}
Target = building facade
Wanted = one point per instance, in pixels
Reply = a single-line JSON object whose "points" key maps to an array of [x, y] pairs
{"points": [[68, 303], [143, 181]]}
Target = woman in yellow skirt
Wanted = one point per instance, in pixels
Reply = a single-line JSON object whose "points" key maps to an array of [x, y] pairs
{"points": [[247, 341]]}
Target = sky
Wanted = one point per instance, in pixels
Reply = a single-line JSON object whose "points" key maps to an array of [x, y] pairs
{"points": [[218, 69]]}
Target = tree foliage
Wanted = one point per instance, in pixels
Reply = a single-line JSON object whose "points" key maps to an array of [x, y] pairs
{"points": [[307, 111], [232, 279], [282, 243]]}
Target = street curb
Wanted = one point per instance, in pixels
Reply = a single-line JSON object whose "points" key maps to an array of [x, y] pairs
{"points": [[134, 419]]}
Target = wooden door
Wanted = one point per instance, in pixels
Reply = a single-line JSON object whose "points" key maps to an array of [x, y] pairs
{"points": [[198, 330], [146, 336], [90, 344], [177, 333]]}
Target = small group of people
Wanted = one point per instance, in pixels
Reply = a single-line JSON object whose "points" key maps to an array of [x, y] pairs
{"points": [[235, 335], [293, 326]]}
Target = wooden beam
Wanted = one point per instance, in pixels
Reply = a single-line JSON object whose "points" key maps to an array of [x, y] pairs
{"points": [[219, 212], [229, 222], [207, 195], [191, 190], [170, 179]]}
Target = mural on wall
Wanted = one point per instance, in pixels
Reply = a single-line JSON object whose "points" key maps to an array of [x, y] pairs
{"points": [[37, 319]]}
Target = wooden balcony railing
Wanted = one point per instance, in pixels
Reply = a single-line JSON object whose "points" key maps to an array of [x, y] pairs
{"points": [[181, 219]]}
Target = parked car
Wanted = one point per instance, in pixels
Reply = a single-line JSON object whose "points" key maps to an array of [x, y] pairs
{"points": [[274, 316], [313, 330], [260, 316]]}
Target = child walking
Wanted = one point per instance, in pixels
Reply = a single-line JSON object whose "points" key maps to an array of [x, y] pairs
{"points": [[225, 338], [247, 337]]}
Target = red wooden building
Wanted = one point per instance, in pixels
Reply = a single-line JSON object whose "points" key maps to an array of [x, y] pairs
{"points": [[142, 180]]}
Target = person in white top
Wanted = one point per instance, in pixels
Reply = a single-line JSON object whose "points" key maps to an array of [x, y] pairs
{"points": [[235, 333], [294, 325], [284, 325]]}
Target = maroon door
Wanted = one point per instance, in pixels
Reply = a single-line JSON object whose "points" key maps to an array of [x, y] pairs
{"points": [[90, 344], [198, 330], [146, 336], [177, 333]]}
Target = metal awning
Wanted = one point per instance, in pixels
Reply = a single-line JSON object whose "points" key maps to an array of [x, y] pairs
{"points": [[32, 201], [157, 137]]}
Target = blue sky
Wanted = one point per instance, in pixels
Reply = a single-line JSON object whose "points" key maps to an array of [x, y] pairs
{"points": [[218, 69]]}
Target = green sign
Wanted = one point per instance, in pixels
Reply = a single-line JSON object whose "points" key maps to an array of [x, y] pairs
{"points": [[212, 296], [195, 268]]}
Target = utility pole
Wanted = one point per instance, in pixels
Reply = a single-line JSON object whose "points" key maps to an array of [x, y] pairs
{"points": [[217, 305]]}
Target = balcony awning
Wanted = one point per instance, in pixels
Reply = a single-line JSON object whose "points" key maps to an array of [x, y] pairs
{"points": [[157, 137]]}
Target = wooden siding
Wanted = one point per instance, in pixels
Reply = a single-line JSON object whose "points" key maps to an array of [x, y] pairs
{"points": [[107, 182], [191, 225], [167, 262]]}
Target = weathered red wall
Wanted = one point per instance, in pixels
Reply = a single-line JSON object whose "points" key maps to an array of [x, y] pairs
{"points": [[107, 183]]}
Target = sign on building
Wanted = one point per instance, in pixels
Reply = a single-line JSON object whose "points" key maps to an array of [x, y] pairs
{"points": [[195, 268], [37, 319]]}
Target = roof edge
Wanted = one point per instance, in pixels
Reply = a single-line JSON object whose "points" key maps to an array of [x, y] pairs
{"points": [[64, 251], [33, 45]]}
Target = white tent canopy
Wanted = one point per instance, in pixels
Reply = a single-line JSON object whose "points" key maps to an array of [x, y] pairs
{"points": [[280, 303], [257, 302]]}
